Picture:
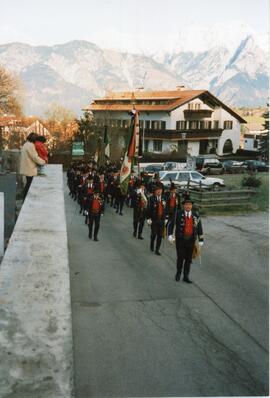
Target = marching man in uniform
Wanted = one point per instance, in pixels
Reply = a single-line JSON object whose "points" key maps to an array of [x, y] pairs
{"points": [[188, 228], [156, 217], [95, 209], [172, 204], [139, 209], [87, 191]]}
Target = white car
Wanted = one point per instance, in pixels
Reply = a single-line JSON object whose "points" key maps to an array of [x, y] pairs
{"points": [[181, 178]]}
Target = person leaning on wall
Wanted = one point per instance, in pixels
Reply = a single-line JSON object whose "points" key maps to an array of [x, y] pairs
{"points": [[29, 161]]}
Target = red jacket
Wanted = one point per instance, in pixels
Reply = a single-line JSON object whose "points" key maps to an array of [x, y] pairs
{"points": [[41, 150]]}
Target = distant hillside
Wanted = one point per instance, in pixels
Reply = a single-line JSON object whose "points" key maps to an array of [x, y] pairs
{"points": [[76, 72]]}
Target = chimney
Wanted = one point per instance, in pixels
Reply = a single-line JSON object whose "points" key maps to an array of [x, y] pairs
{"points": [[180, 88]]}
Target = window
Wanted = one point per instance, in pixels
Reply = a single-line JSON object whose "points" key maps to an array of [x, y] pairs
{"points": [[154, 125], [195, 176], [158, 145], [205, 124], [190, 106], [147, 124], [182, 146], [146, 145], [228, 125], [215, 124], [255, 144], [158, 125], [183, 177], [181, 125], [194, 124], [125, 123], [171, 176], [198, 106], [141, 124]]}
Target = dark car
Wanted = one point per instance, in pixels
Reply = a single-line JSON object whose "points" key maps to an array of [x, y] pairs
{"points": [[233, 166], [256, 165], [212, 166], [152, 169]]}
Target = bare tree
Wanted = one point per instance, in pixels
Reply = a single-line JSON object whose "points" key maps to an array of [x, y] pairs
{"points": [[10, 93], [62, 123]]}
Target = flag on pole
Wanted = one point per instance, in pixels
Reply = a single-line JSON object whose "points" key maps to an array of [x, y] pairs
{"points": [[98, 149], [106, 142], [132, 150], [125, 173]]}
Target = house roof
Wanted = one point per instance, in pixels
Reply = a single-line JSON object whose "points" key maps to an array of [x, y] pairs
{"points": [[22, 122], [174, 99]]}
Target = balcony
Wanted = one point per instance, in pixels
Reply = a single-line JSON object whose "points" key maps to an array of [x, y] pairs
{"points": [[178, 135], [197, 113]]}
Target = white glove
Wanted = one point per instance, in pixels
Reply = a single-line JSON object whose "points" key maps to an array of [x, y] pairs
{"points": [[85, 213], [166, 221], [102, 215], [149, 221], [171, 239], [201, 244]]}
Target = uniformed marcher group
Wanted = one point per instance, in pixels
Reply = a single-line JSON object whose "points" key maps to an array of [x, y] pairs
{"points": [[168, 213]]}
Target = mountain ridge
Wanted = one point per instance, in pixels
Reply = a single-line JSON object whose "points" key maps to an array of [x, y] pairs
{"points": [[75, 72]]}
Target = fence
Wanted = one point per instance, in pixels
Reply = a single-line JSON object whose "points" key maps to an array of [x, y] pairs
{"points": [[214, 198]]}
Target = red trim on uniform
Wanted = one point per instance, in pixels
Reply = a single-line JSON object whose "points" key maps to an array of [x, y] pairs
{"points": [[95, 204], [160, 209], [172, 202], [188, 231]]}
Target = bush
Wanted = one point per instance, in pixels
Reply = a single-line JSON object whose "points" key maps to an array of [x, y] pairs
{"points": [[251, 181]]}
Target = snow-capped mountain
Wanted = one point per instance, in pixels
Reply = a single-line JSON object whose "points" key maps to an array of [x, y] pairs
{"points": [[238, 76], [76, 72]]}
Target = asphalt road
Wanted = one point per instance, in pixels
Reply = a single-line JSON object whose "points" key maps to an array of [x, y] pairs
{"points": [[137, 332]]}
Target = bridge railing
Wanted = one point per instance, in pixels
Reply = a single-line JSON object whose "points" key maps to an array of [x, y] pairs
{"points": [[35, 306]]}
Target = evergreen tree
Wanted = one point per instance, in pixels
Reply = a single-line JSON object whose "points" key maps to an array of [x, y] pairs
{"points": [[86, 128]]}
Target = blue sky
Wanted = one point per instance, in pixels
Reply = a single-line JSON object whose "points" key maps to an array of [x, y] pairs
{"points": [[125, 24]]}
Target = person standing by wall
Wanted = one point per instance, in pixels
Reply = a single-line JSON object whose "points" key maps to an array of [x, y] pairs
{"points": [[42, 152], [29, 161]]}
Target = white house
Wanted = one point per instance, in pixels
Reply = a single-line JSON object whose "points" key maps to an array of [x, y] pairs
{"points": [[191, 121], [252, 135]]}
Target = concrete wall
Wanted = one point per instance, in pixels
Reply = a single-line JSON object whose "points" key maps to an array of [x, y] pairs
{"points": [[8, 187], [35, 306], [1, 225]]}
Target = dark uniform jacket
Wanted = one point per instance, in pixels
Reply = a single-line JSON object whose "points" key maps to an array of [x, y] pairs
{"points": [[180, 226], [139, 210], [169, 211], [152, 210], [89, 204], [102, 186]]}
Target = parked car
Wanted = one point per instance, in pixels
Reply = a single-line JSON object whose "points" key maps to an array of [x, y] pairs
{"points": [[212, 168], [151, 169], [171, 166], [202, 159], [181, 178], [233, 166], [256, 165]]}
